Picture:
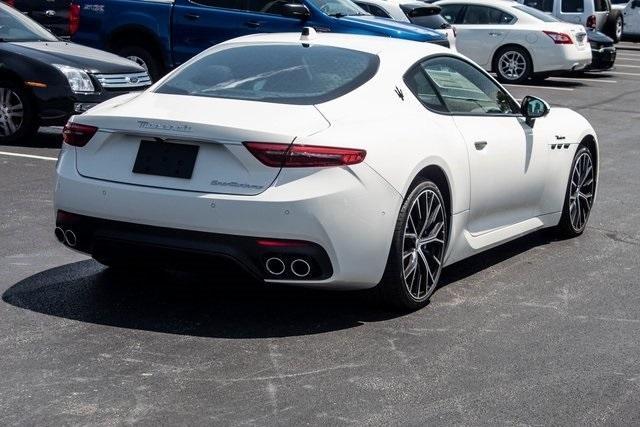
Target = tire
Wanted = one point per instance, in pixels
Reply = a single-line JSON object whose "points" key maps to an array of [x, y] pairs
{"points": [[572, 225], [18, 116], [616, 29], [412, 274], [144, 58], [512, 64]]}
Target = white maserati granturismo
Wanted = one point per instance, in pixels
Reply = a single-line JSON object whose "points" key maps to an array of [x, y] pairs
{"points": [[515, 41], [326, 160]]}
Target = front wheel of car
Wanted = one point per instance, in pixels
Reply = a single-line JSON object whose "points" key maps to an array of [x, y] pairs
{"points": [[617, 29], [18, 118], [512, 64], [417, 250], [579, 195], [143, 58]]}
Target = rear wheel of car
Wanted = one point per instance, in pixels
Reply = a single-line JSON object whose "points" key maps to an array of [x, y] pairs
{"points": [[417, 250], [579, 195], [617, 29], [18, 118], [142, 57], [512, 64]]}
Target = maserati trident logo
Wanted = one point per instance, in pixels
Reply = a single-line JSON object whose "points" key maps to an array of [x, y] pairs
{"points": [[143, 124]]}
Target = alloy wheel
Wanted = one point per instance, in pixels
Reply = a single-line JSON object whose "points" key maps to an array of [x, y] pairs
{"points": [[618, 28], [512, 65], [11, 112], [581, 191], [423, 245]]}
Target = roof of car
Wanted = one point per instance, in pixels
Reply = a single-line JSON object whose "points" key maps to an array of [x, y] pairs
{"points": [[363, 43]]}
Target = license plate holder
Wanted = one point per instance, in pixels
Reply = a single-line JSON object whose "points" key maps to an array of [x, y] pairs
{"points": [[166, 159]]}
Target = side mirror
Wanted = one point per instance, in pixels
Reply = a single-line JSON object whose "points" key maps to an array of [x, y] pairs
{"points": [[533, 108], [296, 10]]}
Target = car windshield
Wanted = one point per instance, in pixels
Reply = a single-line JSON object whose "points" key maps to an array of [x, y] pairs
{"points": [[428, 17], [279, 73], [339, 8], [545, 17], [15, 27]]}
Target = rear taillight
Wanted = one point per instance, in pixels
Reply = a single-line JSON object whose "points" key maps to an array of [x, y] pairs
{"points": [[78, 135], [591, 22], [74, 18], [300, 156], [11, 3], [559, 38]]}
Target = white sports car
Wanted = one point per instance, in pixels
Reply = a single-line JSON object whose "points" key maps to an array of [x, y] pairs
{"points": [[327, 160], [515, 41]]}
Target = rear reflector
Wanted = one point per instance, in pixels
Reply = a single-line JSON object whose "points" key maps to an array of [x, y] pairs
{"points": [[273, 243], [74, 18], [559, 38], [300, 156], [78, 135]]}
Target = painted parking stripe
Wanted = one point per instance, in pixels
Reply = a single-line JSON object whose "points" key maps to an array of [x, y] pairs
{"points": [[567, 89], [594, 80], [27, 156], [623, 74], [628, 59], [627, 66]]}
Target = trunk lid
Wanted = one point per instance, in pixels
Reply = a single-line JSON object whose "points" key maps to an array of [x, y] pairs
{"points": [[577, 33], [218, 127]]}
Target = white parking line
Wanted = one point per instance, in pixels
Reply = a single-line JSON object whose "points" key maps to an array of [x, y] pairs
{"points": [[543, 87], [28, 156], [627, 66], [620, 58], [623, 74], [596, 80]]}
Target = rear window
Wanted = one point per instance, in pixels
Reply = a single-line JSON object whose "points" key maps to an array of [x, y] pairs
{"points": [[428, 17], [536, 13], [279, 73]]}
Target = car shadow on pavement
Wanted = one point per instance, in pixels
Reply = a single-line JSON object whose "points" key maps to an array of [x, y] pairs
{"points": [[46, 138], [223, 305]]}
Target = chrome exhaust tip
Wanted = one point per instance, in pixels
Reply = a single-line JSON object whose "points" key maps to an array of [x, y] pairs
{"points": [[59, 233], [275, 266], [70, 238], [300, 268]]}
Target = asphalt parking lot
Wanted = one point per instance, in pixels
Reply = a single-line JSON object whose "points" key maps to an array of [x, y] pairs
{"points": [[539, 331]]}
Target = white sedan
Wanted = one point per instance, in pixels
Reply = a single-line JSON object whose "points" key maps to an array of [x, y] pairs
{"points": [[327, 160], [515, 41], [413, 11]]}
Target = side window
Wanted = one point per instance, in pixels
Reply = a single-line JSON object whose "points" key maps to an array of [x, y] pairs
{"points": [[466, 90], [417, 81], [363, 6], [600, 6], [451, 12], [573, 6], [224, 4], [482, 15], [273, 7], [378, 11]]}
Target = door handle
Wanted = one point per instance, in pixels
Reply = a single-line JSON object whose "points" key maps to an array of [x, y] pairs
{"points": [[494, 34], [480, 145], [192, 16], [252, 24]]}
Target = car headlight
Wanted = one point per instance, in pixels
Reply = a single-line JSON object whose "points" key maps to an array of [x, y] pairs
{"points": [[79, 80]]}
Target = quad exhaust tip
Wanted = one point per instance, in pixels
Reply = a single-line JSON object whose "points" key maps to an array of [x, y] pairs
{"points": [[70, 238], [59, 232], [275, 266], [300, 268]]}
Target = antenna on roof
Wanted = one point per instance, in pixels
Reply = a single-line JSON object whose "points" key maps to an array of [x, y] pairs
{"points": [[308, 33]]}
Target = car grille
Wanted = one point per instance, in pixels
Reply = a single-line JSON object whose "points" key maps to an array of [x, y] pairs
{"points": [[123, 81]]}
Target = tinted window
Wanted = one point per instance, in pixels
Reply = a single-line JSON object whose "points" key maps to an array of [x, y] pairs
{"points": [[338, 7], [543, 5], [481, 15], [428, 17], [466, 90], [268, 6], [280, 73], [536, 13], [417, 81], [16, 27], [225, 4], [573, 6], [600, 5], [374, 10], [451, 12]]}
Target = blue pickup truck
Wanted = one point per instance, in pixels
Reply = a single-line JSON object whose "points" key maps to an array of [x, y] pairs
{"points": [[162, 34]]}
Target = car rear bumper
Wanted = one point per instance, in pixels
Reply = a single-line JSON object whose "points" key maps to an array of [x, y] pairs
{"points": [[603, 58], [562, 58], [345, 218]]}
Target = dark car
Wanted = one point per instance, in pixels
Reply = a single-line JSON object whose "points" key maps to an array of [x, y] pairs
{"points": [[54, 15], [44, 81], [602, 50]]}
